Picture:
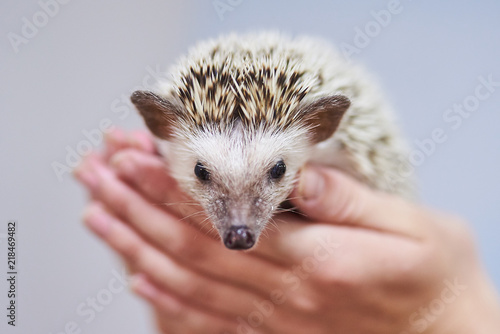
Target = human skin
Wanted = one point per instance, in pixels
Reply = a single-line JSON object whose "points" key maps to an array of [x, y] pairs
{"points": [[355, 261]]}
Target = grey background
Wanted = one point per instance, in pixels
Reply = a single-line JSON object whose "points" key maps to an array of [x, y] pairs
{"points": [[67, 78]]}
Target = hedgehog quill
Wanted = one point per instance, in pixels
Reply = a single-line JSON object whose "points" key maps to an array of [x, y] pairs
{"points": [[244, 113]]}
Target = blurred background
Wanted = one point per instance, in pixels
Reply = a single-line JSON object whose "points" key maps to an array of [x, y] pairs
{"points": [[67, 69]]}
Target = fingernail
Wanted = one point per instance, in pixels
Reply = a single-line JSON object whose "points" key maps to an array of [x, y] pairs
{"points": [[113, 135], [86, 177], [97, 220], [122, 164], [136, 143], [311, 184], [142, 287]]}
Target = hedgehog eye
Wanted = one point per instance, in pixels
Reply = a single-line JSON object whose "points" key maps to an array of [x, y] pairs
{"points": [[278, 170], [201, 172]]}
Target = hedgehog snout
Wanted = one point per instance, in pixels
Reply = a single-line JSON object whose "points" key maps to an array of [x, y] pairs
{"points": [[239, 237]]}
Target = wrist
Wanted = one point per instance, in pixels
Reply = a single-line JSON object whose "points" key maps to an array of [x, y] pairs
{"points": [[476, 310]]}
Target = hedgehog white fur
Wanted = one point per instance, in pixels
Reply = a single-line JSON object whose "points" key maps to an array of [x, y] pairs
{"points": [[243, 113]]}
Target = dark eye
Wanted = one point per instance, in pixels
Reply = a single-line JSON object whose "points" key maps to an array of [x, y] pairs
{"points": [[201, 172], [278, 170]]}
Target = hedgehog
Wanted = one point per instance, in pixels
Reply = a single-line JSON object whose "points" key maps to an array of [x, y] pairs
{"points": [[243, 113]]}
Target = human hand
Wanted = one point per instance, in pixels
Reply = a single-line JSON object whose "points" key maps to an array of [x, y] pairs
{"points": [[367, 263]]}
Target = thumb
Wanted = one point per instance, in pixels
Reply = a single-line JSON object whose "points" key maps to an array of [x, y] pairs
{"points": [[327, 195]]}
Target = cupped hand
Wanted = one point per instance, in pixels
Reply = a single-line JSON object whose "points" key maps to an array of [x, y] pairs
{"points": [[354, 261]]}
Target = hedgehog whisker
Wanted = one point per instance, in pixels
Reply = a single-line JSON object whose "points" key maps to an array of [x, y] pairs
{"points": [[191, 215], [273, 224], [180, 203]]}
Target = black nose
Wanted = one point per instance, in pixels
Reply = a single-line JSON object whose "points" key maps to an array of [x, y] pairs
{"points": [[239, 237]]}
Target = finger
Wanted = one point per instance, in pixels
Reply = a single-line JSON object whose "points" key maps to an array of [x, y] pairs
{"points": [[172, 312], [170, 324], [191, 286], [148, 174], [176, 316], [328, 195], [142, 140], [118, 139], [114, 140], [181, 240]]}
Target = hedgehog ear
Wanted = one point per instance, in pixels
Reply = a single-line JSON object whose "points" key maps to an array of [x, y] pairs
{"points": [[323, 116], [158, 113]]}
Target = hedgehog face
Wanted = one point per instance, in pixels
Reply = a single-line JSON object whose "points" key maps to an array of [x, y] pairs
{"points": [[240, 176]]}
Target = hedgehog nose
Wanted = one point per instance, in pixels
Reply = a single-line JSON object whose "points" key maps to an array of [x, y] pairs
{"points": [[239, 237]]}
